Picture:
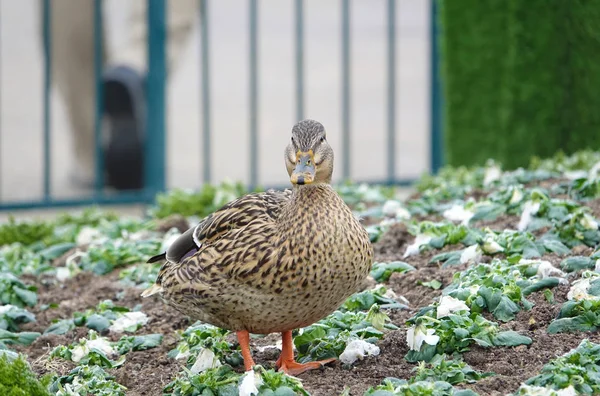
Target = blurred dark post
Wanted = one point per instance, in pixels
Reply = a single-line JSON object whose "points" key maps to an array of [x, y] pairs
{"points": [[205, 87], [346, 89], [391, 93], [299, 60], [47, 84], [253, 56], [98, 69], [436, 92], [155, 96]]}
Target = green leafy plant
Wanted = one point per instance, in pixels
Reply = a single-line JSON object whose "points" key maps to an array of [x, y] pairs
{"points": [[138, 343], [398, 387], [364, 300], [140, 275], [25, 232], [358, 195], [441, 368], [12, 317], [328, 337], [15, 292], [17, 379], [19, 259], [87, 380], [224, 381], [196, 203], [93, 351], [200, 336], [578, 369], [429, 336], [500, 287], [582, 315], [381, 272], [103, 258], [22, 338], [98, 319]]}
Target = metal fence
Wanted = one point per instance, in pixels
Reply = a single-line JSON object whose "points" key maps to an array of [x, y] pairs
{"points": [[154, 150]]}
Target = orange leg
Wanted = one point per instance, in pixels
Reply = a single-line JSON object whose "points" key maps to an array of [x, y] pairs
{"points": [[286, 362], [244, 340]]}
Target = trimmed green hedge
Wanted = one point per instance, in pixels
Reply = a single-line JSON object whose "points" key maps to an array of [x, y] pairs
{"points": [[521, 78]]}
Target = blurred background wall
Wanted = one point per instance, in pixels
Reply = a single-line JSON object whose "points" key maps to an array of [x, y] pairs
{"points": [[21, 89]]}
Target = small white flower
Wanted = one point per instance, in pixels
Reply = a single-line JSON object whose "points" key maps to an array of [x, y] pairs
{"points": [[387, 222], [129, 321], [568, 391], [529, 210], [474, 289], [278, 345], [516, 197], [79, 352], [206, 360], [390, 207], [597, 266], [389, 293], [546, 270], [101, 344], [579, 290], [576, 174], [490, 246], [531, 390], [449, 304], [413, 249], [63, 273], [5, 308], [588, 222], [88, 235], [458, 213], [417, 335], [492, 173], [250, 383], [357, 350], [402, 214], [183, 355], [593, 173], [472, 253]]}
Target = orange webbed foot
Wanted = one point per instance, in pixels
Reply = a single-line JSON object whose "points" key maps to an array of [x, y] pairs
{"points": [[286, 362]]}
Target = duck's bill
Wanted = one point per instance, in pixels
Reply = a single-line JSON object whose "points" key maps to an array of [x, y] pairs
{"points": [[304, 172]]}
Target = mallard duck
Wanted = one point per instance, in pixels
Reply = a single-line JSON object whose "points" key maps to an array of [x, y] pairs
{"points": [[272, 261]]}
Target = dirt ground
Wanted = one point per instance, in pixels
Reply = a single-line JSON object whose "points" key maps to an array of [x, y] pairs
{"points": [[147, 372]]}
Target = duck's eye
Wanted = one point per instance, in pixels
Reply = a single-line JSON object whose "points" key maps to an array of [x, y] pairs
{"points": [[322, 139]]}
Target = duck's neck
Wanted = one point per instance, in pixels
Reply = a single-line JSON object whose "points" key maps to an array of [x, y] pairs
{"points": [[310, 197], [312, 191]]}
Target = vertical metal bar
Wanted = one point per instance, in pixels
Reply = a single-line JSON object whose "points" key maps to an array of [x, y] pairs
{"points": [[0, 124], [253, 13], [391, 91], [205, 51], [154, 170], [435, 92], [346, 89], [47, 83], [98, 63], [299, 60]]}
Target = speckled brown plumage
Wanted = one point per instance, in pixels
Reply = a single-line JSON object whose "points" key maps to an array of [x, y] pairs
{"points": [[273, 261]]}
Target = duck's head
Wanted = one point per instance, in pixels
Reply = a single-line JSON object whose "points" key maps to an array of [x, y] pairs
{"points": [[308, 156]]}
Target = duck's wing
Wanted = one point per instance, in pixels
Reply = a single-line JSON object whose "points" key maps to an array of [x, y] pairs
{"points": [[236, 214]]}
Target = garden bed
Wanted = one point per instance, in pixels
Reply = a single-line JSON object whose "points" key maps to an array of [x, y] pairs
{"points": [[510, 345]]}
